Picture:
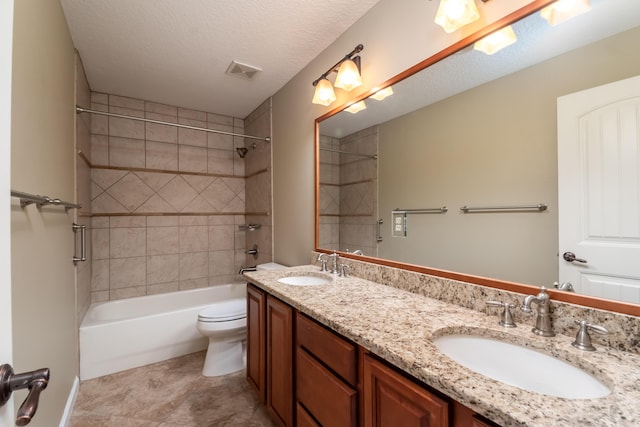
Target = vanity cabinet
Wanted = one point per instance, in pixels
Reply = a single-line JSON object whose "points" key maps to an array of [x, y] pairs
{"points": [[279, 362], [337, 383], [390, 399], [326, 376], [256, 340]]}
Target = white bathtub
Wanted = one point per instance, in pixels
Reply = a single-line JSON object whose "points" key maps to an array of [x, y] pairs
{"points": [[124, 334]]}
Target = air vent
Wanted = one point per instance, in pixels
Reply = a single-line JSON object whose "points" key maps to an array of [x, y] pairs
{"points": [[244, 71]]}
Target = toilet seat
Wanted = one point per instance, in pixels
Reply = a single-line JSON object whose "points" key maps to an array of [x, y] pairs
{"points": [[224, 311]]}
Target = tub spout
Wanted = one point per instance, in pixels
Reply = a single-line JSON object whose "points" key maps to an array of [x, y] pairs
{"points": [[243, 269]]}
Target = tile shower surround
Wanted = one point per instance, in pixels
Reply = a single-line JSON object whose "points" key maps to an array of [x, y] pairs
{"points": [[184, 191]]}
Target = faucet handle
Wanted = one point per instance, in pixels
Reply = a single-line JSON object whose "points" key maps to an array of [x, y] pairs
{"points": [[342, 268], [583, 339], [323, 265], [506, 318]]}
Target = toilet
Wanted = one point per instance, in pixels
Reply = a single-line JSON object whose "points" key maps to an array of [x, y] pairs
{"points": [[225, 325]]}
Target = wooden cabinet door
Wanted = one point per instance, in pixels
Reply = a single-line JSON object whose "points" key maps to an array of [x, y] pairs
{"points": [[257, 340], [280, 361], [391, 400]]}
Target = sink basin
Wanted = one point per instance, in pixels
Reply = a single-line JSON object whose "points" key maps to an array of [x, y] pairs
{"points": [[306, 279], [521, 367]]}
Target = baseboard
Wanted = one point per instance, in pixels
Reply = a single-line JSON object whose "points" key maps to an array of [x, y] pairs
{"points": [[71, 400]]}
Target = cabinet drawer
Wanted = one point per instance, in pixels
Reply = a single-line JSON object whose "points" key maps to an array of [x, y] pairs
{"points": [[335, 352], [327, 398]]}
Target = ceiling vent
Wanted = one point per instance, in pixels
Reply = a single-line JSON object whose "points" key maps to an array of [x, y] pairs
{"points": [[244, 71]]}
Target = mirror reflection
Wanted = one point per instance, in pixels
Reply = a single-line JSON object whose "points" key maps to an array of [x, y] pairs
{"points": [[473, 130]]}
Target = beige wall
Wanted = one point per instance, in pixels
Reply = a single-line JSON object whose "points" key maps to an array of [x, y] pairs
{"points": [[42, 162], [395, 35], [494, 145]]}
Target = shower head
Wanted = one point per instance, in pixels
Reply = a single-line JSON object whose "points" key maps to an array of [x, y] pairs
{"points": [[242, 151]]}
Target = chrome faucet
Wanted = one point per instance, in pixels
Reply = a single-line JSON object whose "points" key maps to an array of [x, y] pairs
{"points": [[243, 269], [322, 259], [543, 318], [335, 261]]}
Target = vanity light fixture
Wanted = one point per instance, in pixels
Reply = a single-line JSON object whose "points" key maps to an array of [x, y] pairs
{"points": [[348, 69], [382, 93], [563, 10], [455, 14], [496, 41], [355, 107]]}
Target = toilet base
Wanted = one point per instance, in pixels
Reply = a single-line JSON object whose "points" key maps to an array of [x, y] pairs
{"points": [[224, 358]]}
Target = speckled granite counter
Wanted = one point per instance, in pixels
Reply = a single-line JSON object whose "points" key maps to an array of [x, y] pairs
{"points": [[398, 326]]}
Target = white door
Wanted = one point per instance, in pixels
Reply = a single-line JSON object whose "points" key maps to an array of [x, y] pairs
{"points": [[599, 190], [6, 347]]}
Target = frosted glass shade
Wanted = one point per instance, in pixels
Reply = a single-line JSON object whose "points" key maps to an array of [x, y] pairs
{"points": [[382, 93], [324, 94], [358, 106], [563, 10], [348, 76], [496, 41], [454, 14]]}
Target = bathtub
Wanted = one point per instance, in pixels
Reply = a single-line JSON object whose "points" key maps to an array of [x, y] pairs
{"points": [[124, 334]]}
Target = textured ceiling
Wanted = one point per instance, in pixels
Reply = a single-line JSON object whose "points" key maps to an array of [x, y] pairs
{"points": [[177, 51]]}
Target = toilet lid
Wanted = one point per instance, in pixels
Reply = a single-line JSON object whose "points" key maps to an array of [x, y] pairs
{"points": [[224, 311]]}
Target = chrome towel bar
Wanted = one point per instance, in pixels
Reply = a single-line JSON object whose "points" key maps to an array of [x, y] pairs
{"points": [[539, 208], [27, 199], [421, 211]]}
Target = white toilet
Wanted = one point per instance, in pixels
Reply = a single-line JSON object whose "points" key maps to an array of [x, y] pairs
{"points": [[225, 324]]}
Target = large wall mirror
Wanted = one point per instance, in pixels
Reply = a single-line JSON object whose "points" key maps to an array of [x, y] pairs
{"points": [[477, 131]]}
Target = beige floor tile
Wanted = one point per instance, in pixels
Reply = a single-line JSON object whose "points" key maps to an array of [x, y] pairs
{"points": [[170, 393]]}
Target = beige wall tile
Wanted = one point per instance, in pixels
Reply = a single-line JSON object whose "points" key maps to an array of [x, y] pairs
{"points": [[221, 237], [220, 141], [168, 110], [194, 283], [192, 114], [221, 263], [100, 98], [100, 243], [161, 133], [193, 220], [192, 159], [163, 221], [162, 288], [128, 221], [194, 239], [127, 272], [100, 275], [126, 152], [163, 269], [126, 128], [163, 240], [217, 119], [127, 242], [193, 266], [160, 155], [126, 102], [100, 150], [122, 293]]}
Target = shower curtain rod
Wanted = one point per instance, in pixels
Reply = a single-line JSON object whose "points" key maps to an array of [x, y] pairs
{"points": [[159, 122]]}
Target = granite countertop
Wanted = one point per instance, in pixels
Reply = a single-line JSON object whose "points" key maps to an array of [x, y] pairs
{"points": [[398, 326]]}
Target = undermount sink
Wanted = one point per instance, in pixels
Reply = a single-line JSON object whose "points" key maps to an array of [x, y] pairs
{"points": [[521, 367], [306, 279]]}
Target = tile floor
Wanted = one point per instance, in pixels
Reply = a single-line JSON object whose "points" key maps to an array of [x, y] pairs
{"points": [[170, 393]]}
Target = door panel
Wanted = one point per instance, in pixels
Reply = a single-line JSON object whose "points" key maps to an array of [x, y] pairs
{"points": [[599, 189]]}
